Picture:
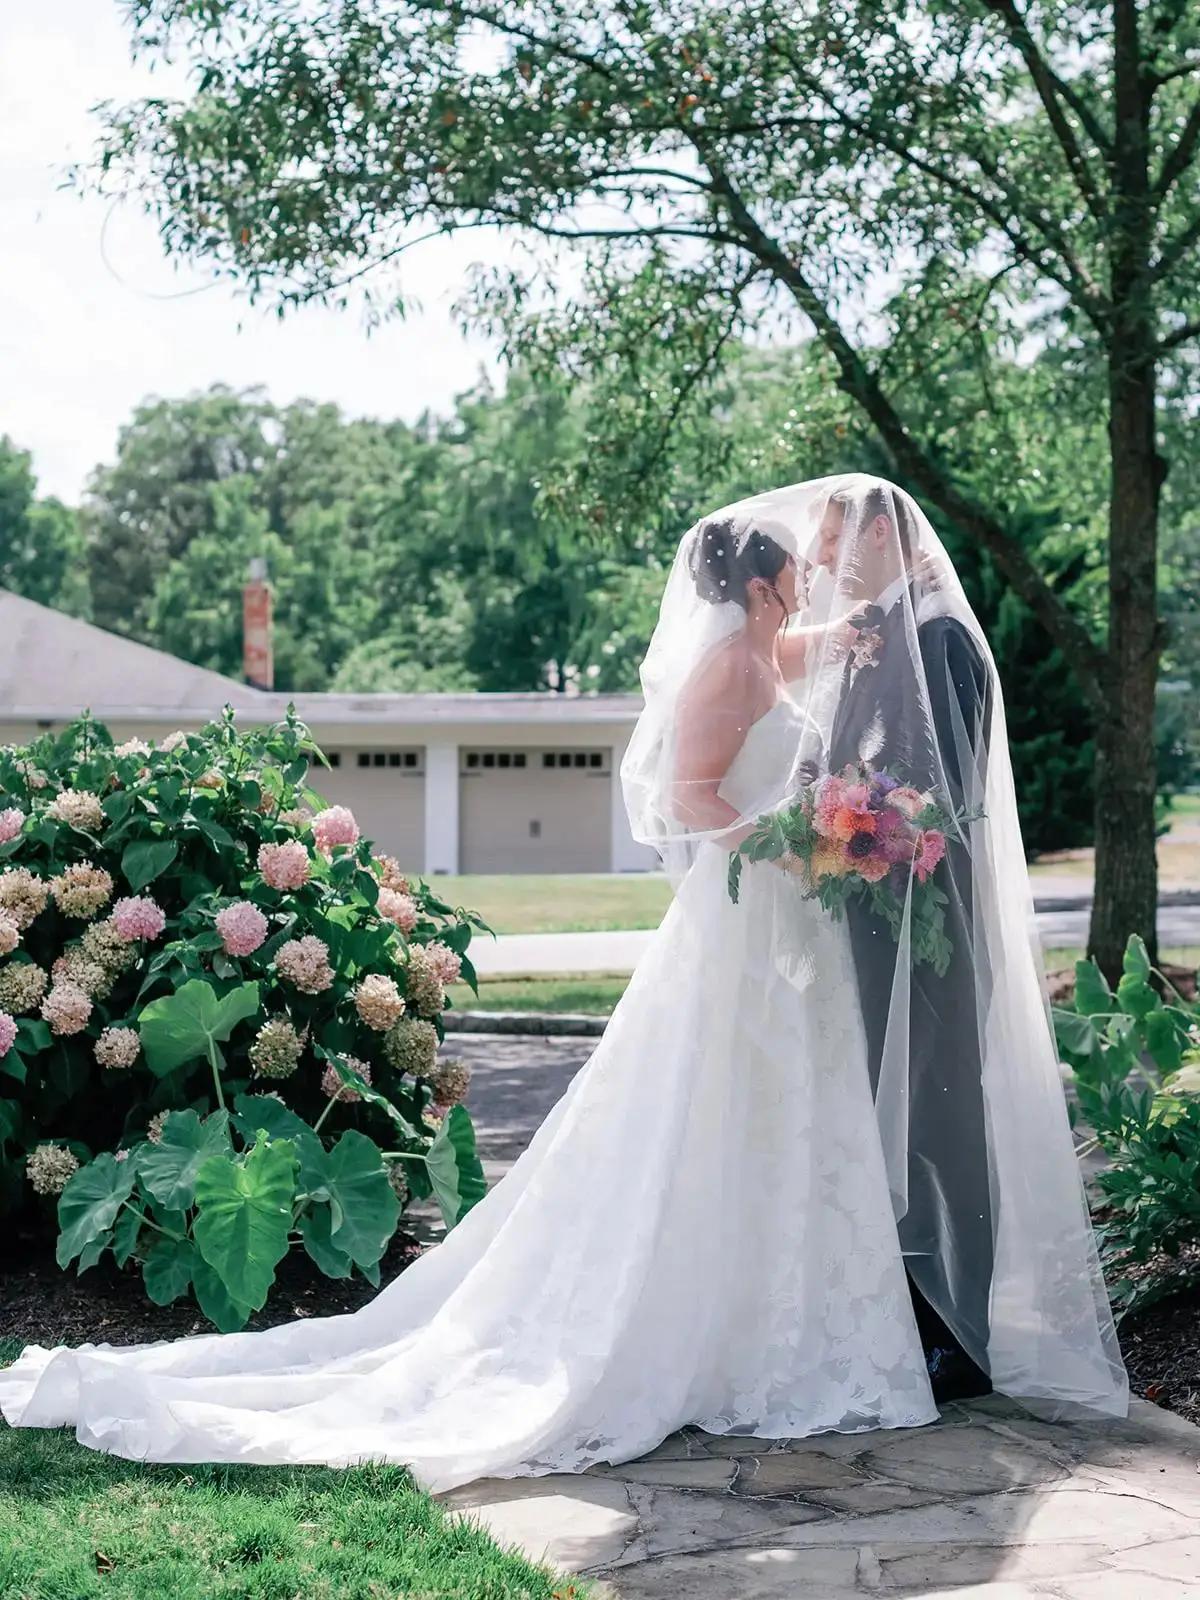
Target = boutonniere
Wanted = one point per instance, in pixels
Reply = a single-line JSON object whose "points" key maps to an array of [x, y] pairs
{"points": [[864, 652]]}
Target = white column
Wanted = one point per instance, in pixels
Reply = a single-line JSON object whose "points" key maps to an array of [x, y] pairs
{"points": [[441, 806], [626, 855]]}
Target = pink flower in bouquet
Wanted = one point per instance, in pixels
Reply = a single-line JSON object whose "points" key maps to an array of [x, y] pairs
{"points": [[931, 847], [334, 826], [138, 917], [305, 963], [398, 908], [906, 800], [446, 964], [874, 868], [284, 866], [830, 794], [12, 820], [8, 1033], [242, 927], [10, 935]]}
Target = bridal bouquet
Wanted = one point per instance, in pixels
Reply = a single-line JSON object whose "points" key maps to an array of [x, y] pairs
{"points": [[863, 833]]}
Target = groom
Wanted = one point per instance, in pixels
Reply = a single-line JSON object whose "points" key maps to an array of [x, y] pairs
{"points": [[916, 701]]}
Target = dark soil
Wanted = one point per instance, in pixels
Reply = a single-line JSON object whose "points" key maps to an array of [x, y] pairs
{"points": [[40, 1304], [1161, 1346]]}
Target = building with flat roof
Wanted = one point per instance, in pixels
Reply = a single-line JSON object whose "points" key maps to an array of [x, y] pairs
{"points": [[445, 782]]}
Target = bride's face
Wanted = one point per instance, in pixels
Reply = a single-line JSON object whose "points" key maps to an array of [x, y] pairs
{"points": [[790, 586]]}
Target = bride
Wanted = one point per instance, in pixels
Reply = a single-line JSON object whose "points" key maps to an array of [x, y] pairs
{"points": [[740, 1214]]}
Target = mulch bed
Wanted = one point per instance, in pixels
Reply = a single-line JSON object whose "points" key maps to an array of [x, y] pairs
{"points": [[41, 1305]]}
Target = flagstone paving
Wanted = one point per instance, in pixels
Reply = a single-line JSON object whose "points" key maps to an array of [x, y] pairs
{"points": [[990, 1503]]}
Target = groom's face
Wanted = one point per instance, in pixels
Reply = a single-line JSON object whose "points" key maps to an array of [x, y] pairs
{"points": [[851, 555]]}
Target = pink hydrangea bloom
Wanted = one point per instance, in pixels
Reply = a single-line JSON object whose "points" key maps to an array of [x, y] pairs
{"points": [[398, 908], [332, 1083], [67, 1009], [138, 917], [8, 1033], [242, 927], [446, 964], [12, 820], [10, 935], [335, 825], [305, 963], [284, 866]]}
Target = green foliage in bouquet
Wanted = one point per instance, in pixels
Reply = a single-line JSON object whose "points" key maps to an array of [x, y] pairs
{"points": [[220, 1014], [1136, 1062]]}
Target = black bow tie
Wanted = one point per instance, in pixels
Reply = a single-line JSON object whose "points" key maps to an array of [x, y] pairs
{"points": [[869, 617]]}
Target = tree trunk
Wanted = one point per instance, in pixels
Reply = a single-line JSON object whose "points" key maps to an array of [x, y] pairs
{"points": [[1126, 894]]}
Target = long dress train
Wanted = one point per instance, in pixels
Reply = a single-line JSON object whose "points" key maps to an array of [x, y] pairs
{"points": [[700, 1232]]}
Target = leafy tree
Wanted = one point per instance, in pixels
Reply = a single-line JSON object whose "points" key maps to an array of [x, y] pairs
{"points": [[40, 542], [721, 163]]}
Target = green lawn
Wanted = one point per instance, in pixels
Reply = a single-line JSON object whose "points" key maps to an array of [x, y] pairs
{"points": [[582, 993], [74, 1524], [585, 902]]}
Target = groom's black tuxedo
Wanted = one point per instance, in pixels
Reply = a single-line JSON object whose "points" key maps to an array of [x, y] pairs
{"points": [[922, 715]]}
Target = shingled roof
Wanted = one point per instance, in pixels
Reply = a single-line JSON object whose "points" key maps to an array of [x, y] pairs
{"points": [[53, 666]]}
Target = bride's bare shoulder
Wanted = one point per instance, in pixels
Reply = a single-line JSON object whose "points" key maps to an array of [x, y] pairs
{"points": [[729, 678]]}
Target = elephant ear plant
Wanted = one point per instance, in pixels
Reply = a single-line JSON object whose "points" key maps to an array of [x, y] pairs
{"points": [[220, 1015], [1135, 1055]]}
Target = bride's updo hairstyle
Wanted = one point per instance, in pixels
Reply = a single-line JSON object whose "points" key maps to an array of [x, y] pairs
{"points": [[724, 565]]}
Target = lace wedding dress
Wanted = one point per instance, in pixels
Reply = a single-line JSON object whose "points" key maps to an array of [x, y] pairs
{"points": [[700, 1232]]}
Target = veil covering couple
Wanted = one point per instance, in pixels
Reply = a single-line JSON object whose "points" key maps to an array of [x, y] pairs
{"points": [[810, 1179]]}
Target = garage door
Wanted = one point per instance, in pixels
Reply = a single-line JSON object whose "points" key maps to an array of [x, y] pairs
{"points": [[385, 789], [535, 810]]}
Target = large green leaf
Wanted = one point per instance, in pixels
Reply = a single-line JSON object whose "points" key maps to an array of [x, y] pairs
{"points": [[455, 1170], [168, 1169], [1136, 961], [89, 1204], [316, 1226], [1136, 997], [185, 1026], [1092, 994], [167, 1270], [243, 1214], [147, 859], [1164, 1040], [213, 1297], [255, 1113], [365, 1209]]}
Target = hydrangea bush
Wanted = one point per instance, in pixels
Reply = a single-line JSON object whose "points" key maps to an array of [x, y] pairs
{"points": [[220, 1015]]}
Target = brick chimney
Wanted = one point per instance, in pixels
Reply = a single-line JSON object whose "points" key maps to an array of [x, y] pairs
{"points": [[258, 645]]}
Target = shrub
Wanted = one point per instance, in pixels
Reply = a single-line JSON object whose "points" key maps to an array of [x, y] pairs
{"points": [[208, 986], [1136, 1062]]}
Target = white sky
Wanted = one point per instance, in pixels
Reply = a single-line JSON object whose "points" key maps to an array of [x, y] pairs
{"points": [[86, 334]]}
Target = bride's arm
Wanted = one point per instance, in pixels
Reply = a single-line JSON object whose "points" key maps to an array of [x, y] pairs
{"points": [[796, 646], [713, 719]]}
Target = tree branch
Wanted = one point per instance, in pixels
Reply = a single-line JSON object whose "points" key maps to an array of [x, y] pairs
{"points": [[913, 461], [1175, 249], [1052, 91], [1189, 330], [1181, 155]]}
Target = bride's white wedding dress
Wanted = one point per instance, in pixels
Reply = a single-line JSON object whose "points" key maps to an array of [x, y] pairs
{"points": [[700, 1232]]}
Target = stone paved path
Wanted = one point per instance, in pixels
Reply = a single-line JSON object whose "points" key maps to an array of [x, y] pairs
{"points": [[988, 1503]]}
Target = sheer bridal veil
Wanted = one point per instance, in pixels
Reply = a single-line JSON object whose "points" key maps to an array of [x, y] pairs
{"points": [[898, 753]]}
